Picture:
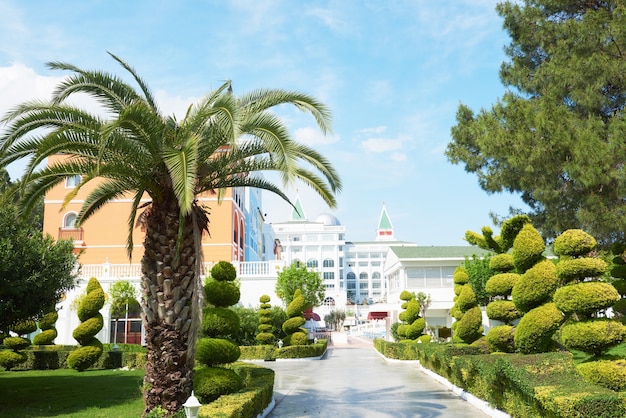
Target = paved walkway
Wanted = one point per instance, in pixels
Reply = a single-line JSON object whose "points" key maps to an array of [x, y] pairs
{"points": [[353, 381]]}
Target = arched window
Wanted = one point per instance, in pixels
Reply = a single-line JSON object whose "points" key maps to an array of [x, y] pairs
{"points": [[312, 263], [351, 276], [241, 233], [69, 221], [329, 262], [375, 275], [363, 277]]}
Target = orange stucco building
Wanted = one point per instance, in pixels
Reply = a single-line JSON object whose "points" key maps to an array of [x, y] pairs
{"points": [[103, 237]]}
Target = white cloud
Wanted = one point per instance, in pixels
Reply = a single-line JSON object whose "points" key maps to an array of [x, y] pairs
{"points": [[330, 19], [311, 136]]}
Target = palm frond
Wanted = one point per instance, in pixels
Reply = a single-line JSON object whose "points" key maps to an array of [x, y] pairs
{"points": [[182, 166], [142, 84]]}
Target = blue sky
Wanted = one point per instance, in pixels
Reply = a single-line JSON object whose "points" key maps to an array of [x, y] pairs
{"points": [[392, 72]]}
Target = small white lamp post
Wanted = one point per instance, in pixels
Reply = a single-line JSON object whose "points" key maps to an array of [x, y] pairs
{"points": [[280, 343], [192, 406]]}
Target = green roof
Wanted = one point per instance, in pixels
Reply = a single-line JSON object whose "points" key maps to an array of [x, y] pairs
{"points": [[298, 213], [384, 222], [460, 251]]}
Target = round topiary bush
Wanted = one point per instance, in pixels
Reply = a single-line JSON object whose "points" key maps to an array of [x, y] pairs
{"points": [[585, 298], [299, 337], [568, 270], [9, 358], [16, 343], [24, 327], [501, 284], [610, 374], [293, 324], [574, 243], [85, 356], [425, 338], [535, 286], [220, 322], [460, 275], [533, 333], [501, 339], [503, 310], [221, 293], [210, 383], [223, 271], [594, 337], [470, 326], [528, 248], [212, 351], [620, 286], [501, 263], [405, 295]]}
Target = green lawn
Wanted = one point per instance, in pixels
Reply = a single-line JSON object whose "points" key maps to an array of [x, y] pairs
{"points": [[617, 352], [68, 393]]}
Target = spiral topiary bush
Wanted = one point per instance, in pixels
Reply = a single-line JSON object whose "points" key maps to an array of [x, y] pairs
{"points": [[468, 327], [503, 310], [265, 335], [412, 325], [90, 349], [292, 327], [618, 271], [48, 331], [215, 346], [574, 243], [585, 298], [593, 336], [501, 284]]}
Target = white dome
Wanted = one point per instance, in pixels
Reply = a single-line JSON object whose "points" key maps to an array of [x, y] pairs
{"points": [[328, 219]]}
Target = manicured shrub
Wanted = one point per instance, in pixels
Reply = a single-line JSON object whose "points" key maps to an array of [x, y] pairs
{"points": [[620, 286], [210, 383], [501, 284], [470, 327], [219, 322], [16, 343], [293, 324], [24, 327], [223, 271], [460, 275], [503, 310], [608, 374], [48, 331], [265, 335], [91, 304], [574, 243], [87, 329], [535, 286], [215, 346], [577, 268], [221, 293], [528, 248], [533, 333], [212, 351], [9, 358], [502, 263], [593, 336], [412, 325], [406, 296], [425, 338], [90, 349], [466, 299], [415, 329], [585, 298], [500, 339], [297, 306], [299, 337]]}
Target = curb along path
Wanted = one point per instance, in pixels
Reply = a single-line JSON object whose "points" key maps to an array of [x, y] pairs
{"points": [[354, 381]]}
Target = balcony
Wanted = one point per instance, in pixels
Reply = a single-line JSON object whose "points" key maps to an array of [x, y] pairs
{"points": [[74, 234]]}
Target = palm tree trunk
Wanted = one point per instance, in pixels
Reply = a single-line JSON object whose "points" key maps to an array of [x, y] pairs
{"points": [[168, 287]]}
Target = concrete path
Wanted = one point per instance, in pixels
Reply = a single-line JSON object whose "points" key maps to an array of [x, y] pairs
{"points": [[353, 381]]}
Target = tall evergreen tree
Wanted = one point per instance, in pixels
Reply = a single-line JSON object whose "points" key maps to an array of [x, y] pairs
{"points": [[135, 151], [557, 135]]}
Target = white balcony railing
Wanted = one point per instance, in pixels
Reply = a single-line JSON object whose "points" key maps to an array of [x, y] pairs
{"points": [[245, 269]]}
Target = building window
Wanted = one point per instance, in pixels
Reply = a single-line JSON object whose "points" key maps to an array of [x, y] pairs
{"points": [[312, 263], [69, 221], [362, 285], [363, 277], [329, 275], [71, 182], [351, 276], [329, 262]]}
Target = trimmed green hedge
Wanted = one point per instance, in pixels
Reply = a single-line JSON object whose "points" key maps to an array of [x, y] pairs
{"points": [[535, 385], [248, 402]]}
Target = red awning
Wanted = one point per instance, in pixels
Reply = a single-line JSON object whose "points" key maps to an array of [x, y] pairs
{"points": [[311, 315], [376, 315]]}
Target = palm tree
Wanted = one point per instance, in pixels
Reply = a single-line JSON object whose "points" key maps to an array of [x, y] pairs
{"points": [[222, 142]]}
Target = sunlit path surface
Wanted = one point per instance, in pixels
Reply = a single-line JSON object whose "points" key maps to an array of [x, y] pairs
{"points": [[354, 381]]}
